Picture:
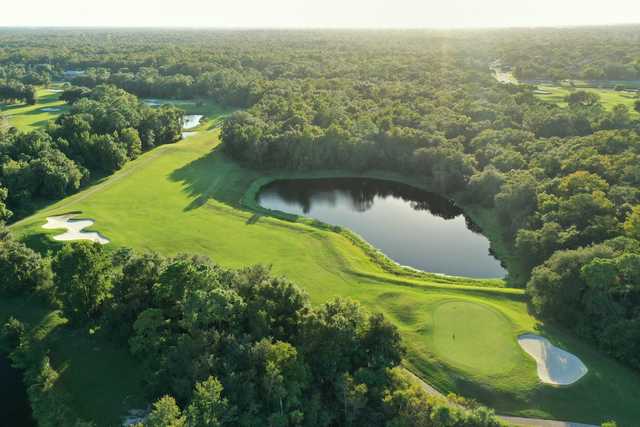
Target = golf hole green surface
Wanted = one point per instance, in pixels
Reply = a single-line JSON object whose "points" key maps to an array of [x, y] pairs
{"points": [[474, 337]]}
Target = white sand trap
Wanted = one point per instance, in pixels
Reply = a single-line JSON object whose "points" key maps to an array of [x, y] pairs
{"points": [[55, 90], [188, 134], [74, 229], [555, 366], [190, 121], [51, 109], [152, 103]]}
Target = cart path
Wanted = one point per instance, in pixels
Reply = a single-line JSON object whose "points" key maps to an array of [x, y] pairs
{"points": [[516, 421]]}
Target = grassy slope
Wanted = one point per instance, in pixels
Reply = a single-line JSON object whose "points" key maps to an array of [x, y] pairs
{"points": [[30, 117], [187, 197]]}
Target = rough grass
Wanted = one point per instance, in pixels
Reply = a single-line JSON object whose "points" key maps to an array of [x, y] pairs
{"points": [[190, 197]]}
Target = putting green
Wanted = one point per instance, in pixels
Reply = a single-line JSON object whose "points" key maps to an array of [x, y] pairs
{"points": [[474, 337]]}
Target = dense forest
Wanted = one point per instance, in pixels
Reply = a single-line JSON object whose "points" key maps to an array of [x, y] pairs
{"points": [[595, 54], [232, 347], [563, 183]]}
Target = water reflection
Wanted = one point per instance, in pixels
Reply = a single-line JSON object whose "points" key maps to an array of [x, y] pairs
{"points": [[411, 226]]}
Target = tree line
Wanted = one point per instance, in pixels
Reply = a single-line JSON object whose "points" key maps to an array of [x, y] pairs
{"points": [[225, 86], [12, 91], [35, 75], [593, 54]]}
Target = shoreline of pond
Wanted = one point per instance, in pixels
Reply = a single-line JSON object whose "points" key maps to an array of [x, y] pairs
{"points": [[499, 248]]}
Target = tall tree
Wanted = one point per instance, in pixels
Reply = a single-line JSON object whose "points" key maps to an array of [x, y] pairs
{"points": [[82, 279]]}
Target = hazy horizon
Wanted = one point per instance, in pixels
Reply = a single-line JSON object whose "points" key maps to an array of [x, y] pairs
{"points": [[328, 14]]}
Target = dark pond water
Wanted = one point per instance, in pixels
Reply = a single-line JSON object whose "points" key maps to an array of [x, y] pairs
{"points": [[14, 403], [413, 227]]}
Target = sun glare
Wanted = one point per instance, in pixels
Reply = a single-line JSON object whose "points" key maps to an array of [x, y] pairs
{"points": [[320, 14]]}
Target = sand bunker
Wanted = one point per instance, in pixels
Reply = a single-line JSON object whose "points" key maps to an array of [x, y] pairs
{"points": [[188, 134], [190, 121], [55, 90], [152, 102], [74, 229], [555, 366]]}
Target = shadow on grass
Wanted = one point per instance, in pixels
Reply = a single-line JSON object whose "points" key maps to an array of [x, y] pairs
{"points": [[254, 218], [40, 123], [37, 108], [213, 176], [40, 243]]}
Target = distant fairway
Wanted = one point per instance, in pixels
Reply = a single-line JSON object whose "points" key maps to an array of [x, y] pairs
{"points": [[474, 337], [30, 117], [187, 197], [556, 93], [608, 97]]}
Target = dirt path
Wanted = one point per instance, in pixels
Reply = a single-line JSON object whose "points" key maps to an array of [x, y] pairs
{"points": [[515, 421]]}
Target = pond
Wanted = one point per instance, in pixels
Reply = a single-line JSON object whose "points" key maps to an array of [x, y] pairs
{"points": [[191, 120], [413, 227], [15, 410]]}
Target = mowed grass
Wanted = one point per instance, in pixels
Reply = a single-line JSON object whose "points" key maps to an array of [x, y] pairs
{"points": [[187, 197], [30, 117], [608, 97], [459, 338]]}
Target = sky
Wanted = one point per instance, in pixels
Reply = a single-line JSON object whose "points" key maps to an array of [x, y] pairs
{"points": [[318, 13]]}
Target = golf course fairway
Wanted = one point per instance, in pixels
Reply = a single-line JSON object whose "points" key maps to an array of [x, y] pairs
{"points": [[31, 117], [188, 197]]}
